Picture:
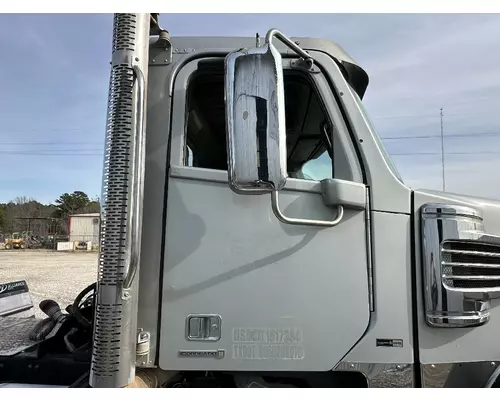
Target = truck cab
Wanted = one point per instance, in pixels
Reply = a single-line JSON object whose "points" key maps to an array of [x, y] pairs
{"points": [[263, 237]]}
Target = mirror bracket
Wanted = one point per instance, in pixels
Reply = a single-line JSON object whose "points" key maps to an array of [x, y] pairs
{"points": [[302, 53], [304, 66], [300, 221]]}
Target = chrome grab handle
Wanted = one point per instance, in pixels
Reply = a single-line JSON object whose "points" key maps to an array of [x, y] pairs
{"points": [[276, 33], [300, 221], [138, 181]]}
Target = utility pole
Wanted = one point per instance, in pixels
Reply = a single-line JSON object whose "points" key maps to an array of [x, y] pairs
{"points": [[442, 148]]}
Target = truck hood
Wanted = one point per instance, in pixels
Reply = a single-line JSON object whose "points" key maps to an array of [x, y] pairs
{"points": [[489, 208]]}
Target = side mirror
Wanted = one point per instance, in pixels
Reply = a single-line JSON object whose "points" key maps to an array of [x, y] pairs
{"points": [[255, 123], [255, 120]]}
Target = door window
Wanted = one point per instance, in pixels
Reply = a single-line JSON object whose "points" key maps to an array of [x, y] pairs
{"points": [[309, 133]]}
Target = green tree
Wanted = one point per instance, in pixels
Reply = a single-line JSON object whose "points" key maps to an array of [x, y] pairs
{"points": [[2, 217], [68, 204]]}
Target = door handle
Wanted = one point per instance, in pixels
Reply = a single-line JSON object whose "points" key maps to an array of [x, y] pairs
{"points": [[299, 221], [336, 193]]}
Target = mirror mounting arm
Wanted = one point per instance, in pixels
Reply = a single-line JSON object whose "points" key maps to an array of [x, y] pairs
{"points": [[300, 221], [276, 33]]}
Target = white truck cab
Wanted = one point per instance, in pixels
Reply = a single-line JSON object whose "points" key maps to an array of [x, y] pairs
{"points": [[256, 233]]}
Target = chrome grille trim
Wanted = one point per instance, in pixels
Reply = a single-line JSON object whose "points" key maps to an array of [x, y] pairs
{"points": [[460, 266], [471, 253], [472, 277], [469, 265]]}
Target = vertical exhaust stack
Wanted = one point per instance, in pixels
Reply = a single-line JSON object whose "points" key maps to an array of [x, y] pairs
{"points": [[115, 325]]}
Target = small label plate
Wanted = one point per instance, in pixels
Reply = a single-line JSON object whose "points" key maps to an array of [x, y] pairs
{"points": [[389, 342]]}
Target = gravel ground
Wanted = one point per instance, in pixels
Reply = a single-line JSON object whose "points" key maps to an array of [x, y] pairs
{"points": [[50, 275]]}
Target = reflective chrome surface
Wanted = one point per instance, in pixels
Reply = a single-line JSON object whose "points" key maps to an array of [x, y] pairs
{"points": [[255, 120], [459, 375], [461, 266], [203, 327], [300, 221], [115, 327], [137, 198], [382, 375], [276, 33]]}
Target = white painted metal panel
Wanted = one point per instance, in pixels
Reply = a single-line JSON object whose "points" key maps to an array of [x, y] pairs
{"points": [[301, 290], [389, 339], [84, 229]]}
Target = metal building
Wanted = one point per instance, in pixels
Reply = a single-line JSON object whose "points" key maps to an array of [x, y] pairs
{"points": [[84, 228]]}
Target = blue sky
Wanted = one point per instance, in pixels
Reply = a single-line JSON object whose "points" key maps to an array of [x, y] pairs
{"points": [[56, 71]]}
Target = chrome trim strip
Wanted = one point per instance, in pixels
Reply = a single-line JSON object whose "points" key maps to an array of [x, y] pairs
{"points": [[472, 277], [469, 265], [450, 210], [472, 253]]}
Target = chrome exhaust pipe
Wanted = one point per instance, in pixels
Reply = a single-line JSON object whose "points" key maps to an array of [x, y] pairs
{"points": [[115, 324]]}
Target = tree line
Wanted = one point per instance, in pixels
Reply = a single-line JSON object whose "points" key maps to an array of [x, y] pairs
{"points": [[24, 214]]}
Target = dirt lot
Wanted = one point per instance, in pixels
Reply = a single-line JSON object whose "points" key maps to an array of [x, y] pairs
{"points": [[50, 275]]}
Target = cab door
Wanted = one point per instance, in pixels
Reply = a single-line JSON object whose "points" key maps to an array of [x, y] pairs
{"points": [[243, 291]]}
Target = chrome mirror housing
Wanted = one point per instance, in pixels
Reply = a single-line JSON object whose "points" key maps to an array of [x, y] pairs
{"points": [[255, 120]]}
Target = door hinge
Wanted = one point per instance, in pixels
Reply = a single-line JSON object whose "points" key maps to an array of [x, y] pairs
{"points": [[161, 52], [143, 349], [371, 295]]}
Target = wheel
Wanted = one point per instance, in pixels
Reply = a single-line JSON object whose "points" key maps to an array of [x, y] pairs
{"points": [[7, 247], [21, 246]]}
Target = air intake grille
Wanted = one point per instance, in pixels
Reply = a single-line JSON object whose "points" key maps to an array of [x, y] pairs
{"points": [[470, 265]]}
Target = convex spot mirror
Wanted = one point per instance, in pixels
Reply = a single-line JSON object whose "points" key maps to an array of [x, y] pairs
{"points": [[255, 120]]}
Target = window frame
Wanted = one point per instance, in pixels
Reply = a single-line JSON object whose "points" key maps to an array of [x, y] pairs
{"points": [[339, 132]]}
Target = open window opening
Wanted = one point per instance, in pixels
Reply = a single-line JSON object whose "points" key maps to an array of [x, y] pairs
{"points": [[309, 131]]}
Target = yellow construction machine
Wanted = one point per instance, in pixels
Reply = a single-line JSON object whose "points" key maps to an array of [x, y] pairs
{"points": [[15, 241]]}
